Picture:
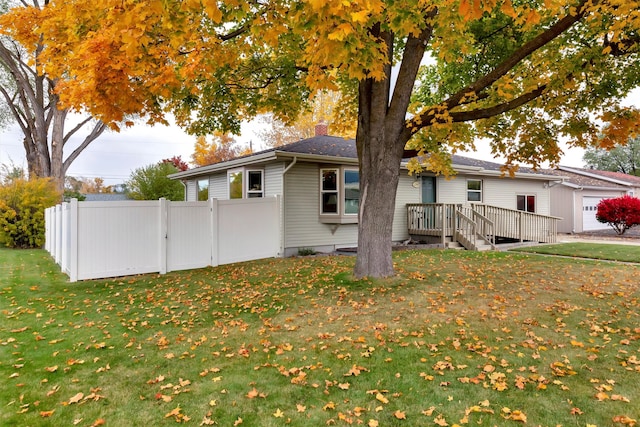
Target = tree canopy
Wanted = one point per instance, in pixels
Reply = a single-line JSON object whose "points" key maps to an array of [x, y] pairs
{"points": [[28, 98], [522, 74]]}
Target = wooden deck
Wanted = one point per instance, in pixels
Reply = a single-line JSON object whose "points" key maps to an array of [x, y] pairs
{"points": [[478, 226]]}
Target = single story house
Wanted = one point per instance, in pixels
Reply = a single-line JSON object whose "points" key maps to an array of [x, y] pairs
{"points": [[575, 198], [318, 181]]}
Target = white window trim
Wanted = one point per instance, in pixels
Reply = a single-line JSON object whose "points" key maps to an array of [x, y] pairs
{"points": [[245, 182], [208, 181], [340, 217], [344, 192], [229, 173], [337, 171], [475, 191], [247, 189]]}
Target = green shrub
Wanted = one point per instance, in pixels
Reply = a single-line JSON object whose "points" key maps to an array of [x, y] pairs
{"points": [[22, 205]]}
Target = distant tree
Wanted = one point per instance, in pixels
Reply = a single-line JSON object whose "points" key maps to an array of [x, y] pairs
{"points": [[623, 158], [177, 161], [10, 172], [221, 148], [86, 185], [332, 108], [620, 213], [152, 182]]}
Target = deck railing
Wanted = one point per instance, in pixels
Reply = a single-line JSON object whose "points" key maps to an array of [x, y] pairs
{"points": [[524, 226], [441, 219]]}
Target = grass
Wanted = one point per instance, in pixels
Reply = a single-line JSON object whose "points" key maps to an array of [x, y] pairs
{"points": [[455, 338], [611, 252]]}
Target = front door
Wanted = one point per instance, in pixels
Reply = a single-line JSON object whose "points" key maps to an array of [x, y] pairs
{"points": [[428, 189]]}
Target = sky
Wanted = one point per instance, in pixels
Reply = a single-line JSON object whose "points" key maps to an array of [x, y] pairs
{"points": [[113, 156]]}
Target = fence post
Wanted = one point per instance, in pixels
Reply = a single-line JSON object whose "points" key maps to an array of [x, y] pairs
{"points": [[58, 237], [213, 212], [164, 235], [73, 240]]}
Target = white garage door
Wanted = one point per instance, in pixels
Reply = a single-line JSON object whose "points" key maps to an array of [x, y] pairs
{"points": [[589, 209]]}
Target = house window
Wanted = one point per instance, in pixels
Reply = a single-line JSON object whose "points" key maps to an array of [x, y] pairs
{"points": [[203, 190], [329, 191], [235, 184], [474, 190], [252, 179], [526, 203], [351, 191], [254, 184]]}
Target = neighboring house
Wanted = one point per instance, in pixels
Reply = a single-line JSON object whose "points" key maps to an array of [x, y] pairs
{"points": [[105, 197], [576, 197], [318, 180]]}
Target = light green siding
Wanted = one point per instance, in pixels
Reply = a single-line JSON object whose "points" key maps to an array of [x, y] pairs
{"points": [[302, 224], [407, 193], [273, 182], [496, 191]]}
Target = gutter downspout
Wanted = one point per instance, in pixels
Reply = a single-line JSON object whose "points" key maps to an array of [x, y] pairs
{"points": [[282, 216], [184, 184]]}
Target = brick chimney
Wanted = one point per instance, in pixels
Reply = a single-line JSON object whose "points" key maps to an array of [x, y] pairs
{"points": [[322, 129]]}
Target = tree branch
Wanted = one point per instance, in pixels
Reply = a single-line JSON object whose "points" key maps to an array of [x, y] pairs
{"points": [[95, 133], [424, 119], [485, 113]]}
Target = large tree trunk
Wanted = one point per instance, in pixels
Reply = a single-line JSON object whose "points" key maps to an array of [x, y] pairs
{"points": [[379, 153]]}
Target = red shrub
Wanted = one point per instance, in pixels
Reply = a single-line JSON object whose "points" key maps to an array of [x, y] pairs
{"points": [[620, 213]]}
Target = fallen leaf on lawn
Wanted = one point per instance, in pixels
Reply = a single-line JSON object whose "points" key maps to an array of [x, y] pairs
{"points": [[330, 405], [174, 412], [98, 422], [47, 414], [373, 423], [623, 419], [380, 397], [252, 394], [439, 420], [300, 408], [278, 413], [77, 398], [429, 412], [400, 415], [619, 397], [237, 422], [344, 386], [51, 368]]}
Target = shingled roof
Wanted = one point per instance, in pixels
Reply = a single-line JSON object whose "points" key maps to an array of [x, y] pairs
{"points": [[336, 148], [585, 181]]}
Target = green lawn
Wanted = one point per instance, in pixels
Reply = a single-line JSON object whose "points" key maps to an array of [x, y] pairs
{"points": [[456, 338], [612, 252]]}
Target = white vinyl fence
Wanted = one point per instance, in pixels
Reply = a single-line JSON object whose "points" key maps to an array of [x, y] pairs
{"points": [[91, 240]]}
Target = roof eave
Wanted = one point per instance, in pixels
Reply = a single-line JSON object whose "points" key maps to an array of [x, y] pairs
{"points": [[596, 176]]}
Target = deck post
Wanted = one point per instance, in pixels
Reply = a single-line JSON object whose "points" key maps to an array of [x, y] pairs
{"points": [[521, 226], [443, 231]]}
